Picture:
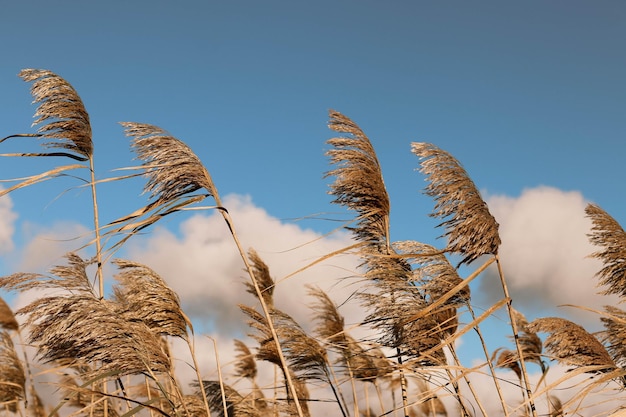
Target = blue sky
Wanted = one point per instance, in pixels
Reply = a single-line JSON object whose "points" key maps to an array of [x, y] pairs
{"points": [[524, 94]]}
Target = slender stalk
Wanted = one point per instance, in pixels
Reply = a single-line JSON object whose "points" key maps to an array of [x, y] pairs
{"points": [[96, 223], [264, 307], [518, 346], [489, 362], [403, 387], [469, 385]]}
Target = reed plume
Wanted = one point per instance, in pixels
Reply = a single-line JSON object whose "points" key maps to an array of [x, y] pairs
{"points": [[174, 173], [607, 233], [358, 184], [75, 326], [471, 230], [529, 341], [12, 377], [571, 344], [245, 367], [144, 296], [614, 333], [305, 356], [264, 279], [62, 117], [172, 169], [64, 124], [7, 318], [235, 404]]}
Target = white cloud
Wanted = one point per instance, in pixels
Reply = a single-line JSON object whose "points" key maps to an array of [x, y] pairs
{"points": [[48, 244], [7, 224], [545, 251], [202, 264]]}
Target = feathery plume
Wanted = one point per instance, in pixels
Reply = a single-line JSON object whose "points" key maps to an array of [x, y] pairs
{"points": [[330, 326], [571, 344], [75, 326], [607, 233], [236, 405], [505, 358], [144, 296], [173, 170], [245, 366], [614, 333], [12, 377], [61, 113], [358, 182], [7, 318], [264, 279], [529, 341], [470, 228]]}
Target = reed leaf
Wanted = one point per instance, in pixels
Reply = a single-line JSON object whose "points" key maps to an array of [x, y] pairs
{"points": [[471, 230], [571, 344], [607, 233]]}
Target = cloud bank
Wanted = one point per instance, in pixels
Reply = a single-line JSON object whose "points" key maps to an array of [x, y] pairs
{"points": [[545, 252], [7, 224]]}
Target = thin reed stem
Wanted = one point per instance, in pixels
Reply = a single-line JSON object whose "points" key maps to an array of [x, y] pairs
{"points": [[260, 297], [489, 361], [518, 346]]}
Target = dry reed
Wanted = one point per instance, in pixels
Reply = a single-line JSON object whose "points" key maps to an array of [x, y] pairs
{"points": [[61, 114], [571, 344], [144, 296], [77, 327], [607, 233], [470, 228]]}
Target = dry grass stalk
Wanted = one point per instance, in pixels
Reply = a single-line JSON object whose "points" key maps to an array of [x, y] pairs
{"points": [[12, 377], [144, 296], [7, 318], [571, 344], [36, 406], [76, 326], [470, 228], [607, 233]]}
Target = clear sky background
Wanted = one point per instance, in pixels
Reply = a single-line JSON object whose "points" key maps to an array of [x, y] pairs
{"points": [[529, 96]]}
